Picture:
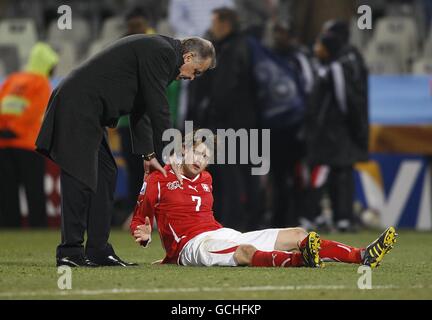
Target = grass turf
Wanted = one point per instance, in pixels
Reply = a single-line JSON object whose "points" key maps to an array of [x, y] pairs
{"points": [[27, 271]]}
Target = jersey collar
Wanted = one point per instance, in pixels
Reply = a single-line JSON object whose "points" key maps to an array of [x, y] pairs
{"points": [[191, 180]]}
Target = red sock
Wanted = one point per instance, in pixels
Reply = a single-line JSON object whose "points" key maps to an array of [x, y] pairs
{"points": [[277, 259], [335, 251]]}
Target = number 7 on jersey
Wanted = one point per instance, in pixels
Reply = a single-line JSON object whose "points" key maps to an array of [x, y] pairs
{"points": [[198, 200]]}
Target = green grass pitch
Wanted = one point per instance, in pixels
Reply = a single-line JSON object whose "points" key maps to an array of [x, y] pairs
{"points": [[27, 271]]}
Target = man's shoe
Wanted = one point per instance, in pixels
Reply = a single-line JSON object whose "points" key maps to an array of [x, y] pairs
{"points": [[112, 261], [309, 248], [376, 251], [76, 261]]}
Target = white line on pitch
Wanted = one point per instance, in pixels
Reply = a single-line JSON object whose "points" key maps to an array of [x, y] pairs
{"points": [[198, 289]]}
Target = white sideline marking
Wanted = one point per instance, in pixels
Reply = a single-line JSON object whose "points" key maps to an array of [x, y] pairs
{"points": [[197, 289]]}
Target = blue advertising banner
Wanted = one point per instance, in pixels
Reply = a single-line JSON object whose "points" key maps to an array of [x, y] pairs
{"points": [[398, 187]]}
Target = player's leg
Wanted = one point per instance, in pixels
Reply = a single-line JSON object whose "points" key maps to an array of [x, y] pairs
{"points": [[274, 248], [371, 255], [213, 248], [340, 252], [243, 256], [288, 239], [248, 255], [221, 248]]}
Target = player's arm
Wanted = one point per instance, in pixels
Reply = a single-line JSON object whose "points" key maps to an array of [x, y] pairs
{"points": [[142, 233], [142, 220]]}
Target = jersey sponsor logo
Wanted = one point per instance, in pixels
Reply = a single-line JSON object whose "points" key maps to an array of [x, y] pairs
{"points": [[174, 185], [193, 188], [205, 187]]}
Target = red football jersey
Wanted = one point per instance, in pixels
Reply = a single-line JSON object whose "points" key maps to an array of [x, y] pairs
{"points": [[181, 211]]}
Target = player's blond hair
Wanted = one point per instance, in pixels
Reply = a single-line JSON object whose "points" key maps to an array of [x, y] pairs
{"points": [[196, 142]]}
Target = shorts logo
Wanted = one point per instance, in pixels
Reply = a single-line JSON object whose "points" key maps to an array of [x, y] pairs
{"points": [[205, 187], [174, 185]]}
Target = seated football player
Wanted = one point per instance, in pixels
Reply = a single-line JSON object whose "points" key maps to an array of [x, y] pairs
{"points": [[192, 237]]}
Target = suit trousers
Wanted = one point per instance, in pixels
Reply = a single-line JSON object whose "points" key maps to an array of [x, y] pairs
{"points": [[86, 211]]}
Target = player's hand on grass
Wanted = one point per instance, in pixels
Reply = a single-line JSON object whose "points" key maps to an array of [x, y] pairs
{"points": [[143, 232], [152, 165]]}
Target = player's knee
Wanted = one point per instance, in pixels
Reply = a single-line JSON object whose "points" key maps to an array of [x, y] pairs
{"points": [[289, 238], [299, 233], [243, 254]]}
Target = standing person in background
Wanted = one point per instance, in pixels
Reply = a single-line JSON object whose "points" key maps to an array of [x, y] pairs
{"points": [[340, 29], [337, 122], [225, 99], [288, 193], [285, 79], [23, 98]]}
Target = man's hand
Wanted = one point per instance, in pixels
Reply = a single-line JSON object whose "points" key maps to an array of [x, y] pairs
{"points": [[143, 232], [151, 165]]}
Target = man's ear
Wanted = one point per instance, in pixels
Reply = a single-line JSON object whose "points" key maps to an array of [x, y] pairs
{"points": [[187, 57]]}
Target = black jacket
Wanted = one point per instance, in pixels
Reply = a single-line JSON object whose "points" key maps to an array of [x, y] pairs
{"points": [[128, 77], [224, 97], [337, 123]]}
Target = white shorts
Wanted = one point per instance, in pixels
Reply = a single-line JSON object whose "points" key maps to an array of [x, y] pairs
{"points": [[216, 248]]}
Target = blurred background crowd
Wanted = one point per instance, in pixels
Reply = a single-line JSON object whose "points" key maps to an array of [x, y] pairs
{"points": [[298, 67]]}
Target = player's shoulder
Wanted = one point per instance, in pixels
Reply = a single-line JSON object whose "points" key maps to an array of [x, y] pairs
{"points": [[158, 176], [206, 176]]}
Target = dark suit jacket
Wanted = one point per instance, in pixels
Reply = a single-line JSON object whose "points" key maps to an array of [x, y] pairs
{"points": [[128, 77]]}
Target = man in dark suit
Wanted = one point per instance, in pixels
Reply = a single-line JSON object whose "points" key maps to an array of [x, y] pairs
{"points": [[128, 77]]}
